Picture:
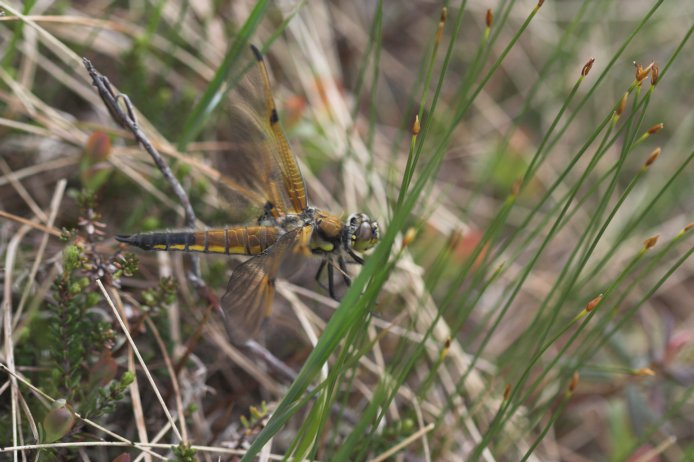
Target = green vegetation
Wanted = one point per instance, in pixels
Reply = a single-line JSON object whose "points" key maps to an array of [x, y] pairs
{"points": [[530, 169]]}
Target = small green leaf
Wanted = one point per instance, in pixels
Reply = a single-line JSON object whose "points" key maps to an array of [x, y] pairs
{"points": [[58, 422]]}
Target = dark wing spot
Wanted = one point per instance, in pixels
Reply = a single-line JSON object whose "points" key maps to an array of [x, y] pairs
{"points": [[256, 52]]}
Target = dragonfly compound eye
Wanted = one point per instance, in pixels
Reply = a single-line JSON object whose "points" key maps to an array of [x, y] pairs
{"points": [[364, 232]]}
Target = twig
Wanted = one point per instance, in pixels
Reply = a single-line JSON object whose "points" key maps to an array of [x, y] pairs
{"points": [[245, 362], [260, 351], [193, 339], [127, 120]]}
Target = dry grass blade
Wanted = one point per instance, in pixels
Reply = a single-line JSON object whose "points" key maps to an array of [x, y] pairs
{"points": [[7, 299], [30, 223], [138, 412], [118, 315], [174, 380], [23, 193], [52, 214], [39, 392], [404, 443], [8, 345]]}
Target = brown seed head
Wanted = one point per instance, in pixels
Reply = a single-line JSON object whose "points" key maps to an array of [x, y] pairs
{"points": [[409, 236], [655, 128], [655, 71], [641, 72], [654, 155], [539, 4], [574, 381], [489, 18], [507, 391], [689, 227], [446, 347], [587, 67], [647, 371], [415, 126], [593, 303], [442, 22], [650, 242]]}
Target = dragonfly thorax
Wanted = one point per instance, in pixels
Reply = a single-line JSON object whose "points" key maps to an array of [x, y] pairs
{"points": [[359, 233], [290, 221], [327, 232]]}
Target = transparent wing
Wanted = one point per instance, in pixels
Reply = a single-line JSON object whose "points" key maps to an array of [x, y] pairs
{"points": [[251, 289], [291, 175], [260, 170]]}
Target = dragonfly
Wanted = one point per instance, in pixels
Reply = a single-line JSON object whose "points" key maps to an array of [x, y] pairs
{"points": [[265, 178]]}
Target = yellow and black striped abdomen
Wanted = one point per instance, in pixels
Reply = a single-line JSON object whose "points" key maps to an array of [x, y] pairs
{"points": [[242, 240]]}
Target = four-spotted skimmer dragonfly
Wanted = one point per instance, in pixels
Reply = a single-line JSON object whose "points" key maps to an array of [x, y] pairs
{"points": [[267, 176]]}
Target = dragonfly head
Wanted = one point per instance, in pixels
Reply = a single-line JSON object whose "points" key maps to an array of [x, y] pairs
{"points": [[362, 232]]}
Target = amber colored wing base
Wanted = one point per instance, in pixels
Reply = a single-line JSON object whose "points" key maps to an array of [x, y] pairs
{"points": [[251, 289]]}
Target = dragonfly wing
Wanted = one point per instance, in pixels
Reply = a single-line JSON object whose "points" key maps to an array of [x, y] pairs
{"points": [[248, 299], [292, 180], [259, 165]]}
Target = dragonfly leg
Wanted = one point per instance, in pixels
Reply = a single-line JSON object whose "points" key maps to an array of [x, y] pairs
{"points": [[343, 268], [331, 275], [331, 284], [319, 273], [356, 257]]}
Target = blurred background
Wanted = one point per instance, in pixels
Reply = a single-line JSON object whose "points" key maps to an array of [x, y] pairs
{"points": [[519, 308]]}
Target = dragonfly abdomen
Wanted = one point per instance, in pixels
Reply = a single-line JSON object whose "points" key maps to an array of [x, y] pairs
{"points": [[160, 241], [242, 240]]}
